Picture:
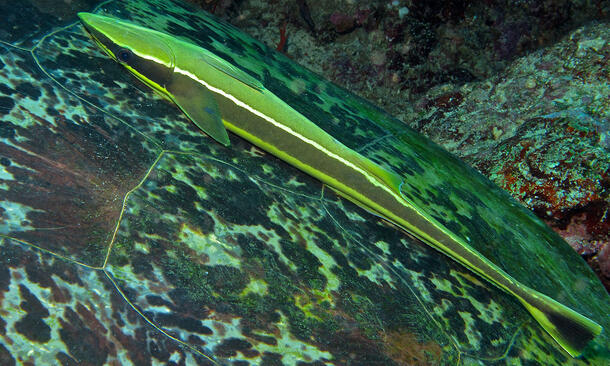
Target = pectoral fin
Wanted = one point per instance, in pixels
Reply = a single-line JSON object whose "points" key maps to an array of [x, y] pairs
{"points": [[199, 105]]}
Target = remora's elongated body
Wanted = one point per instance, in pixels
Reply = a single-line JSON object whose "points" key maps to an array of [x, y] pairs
{"points": [[213, 93]]}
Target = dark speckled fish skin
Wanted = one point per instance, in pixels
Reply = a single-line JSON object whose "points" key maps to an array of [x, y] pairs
{"points": [[128, 237]]}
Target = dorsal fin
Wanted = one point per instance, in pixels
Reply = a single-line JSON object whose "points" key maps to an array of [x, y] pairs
{"points": [[389, 177], [224, 66]]}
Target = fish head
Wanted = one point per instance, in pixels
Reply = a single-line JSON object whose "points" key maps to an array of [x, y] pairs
{"points": [[144, 52]]}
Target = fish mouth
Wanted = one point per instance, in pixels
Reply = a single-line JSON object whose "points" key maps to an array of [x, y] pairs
{"points": [[91, 23]]}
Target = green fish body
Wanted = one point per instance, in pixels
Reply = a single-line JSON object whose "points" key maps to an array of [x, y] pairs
{"points": [[217, 96]]}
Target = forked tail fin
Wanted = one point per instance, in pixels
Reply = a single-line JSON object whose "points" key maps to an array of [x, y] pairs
{"points": [[570, 329]]}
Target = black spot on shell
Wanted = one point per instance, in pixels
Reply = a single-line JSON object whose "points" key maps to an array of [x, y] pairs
{"points": [[34, 328], [188, 324], [21, 19], [39, 275], [234, 194], [49, 89], [62, 42], [6, 105], [315, 363], [28, 66], [71, 75], [360, 259], [158, 351], [258, 48], [28, 90], [141, 265], [287, 67], [307, 263], [5, 357], [411, 166], [65, 360], [226, 279], [155, 300], [264, 339], [272, 359], [31, 304], [52, 111], [11, 255], [230, 347], [5, 89], [32, 325], [185, 304], [85, 345]]}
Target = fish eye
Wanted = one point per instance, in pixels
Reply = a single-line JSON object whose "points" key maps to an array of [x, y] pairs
{"points": [[124, 55]]}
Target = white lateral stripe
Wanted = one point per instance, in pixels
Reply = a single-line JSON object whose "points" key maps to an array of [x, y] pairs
{"points": [[285, 128], [152, 58], [311, 142]]}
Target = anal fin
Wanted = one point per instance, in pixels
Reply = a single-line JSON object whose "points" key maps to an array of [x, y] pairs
{"points": [[356, 202]]}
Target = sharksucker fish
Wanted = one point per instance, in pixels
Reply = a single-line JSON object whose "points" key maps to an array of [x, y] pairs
{"points": [[218, 96]]}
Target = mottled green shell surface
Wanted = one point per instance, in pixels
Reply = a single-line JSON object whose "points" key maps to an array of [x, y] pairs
{"points": [[129, 237]]}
